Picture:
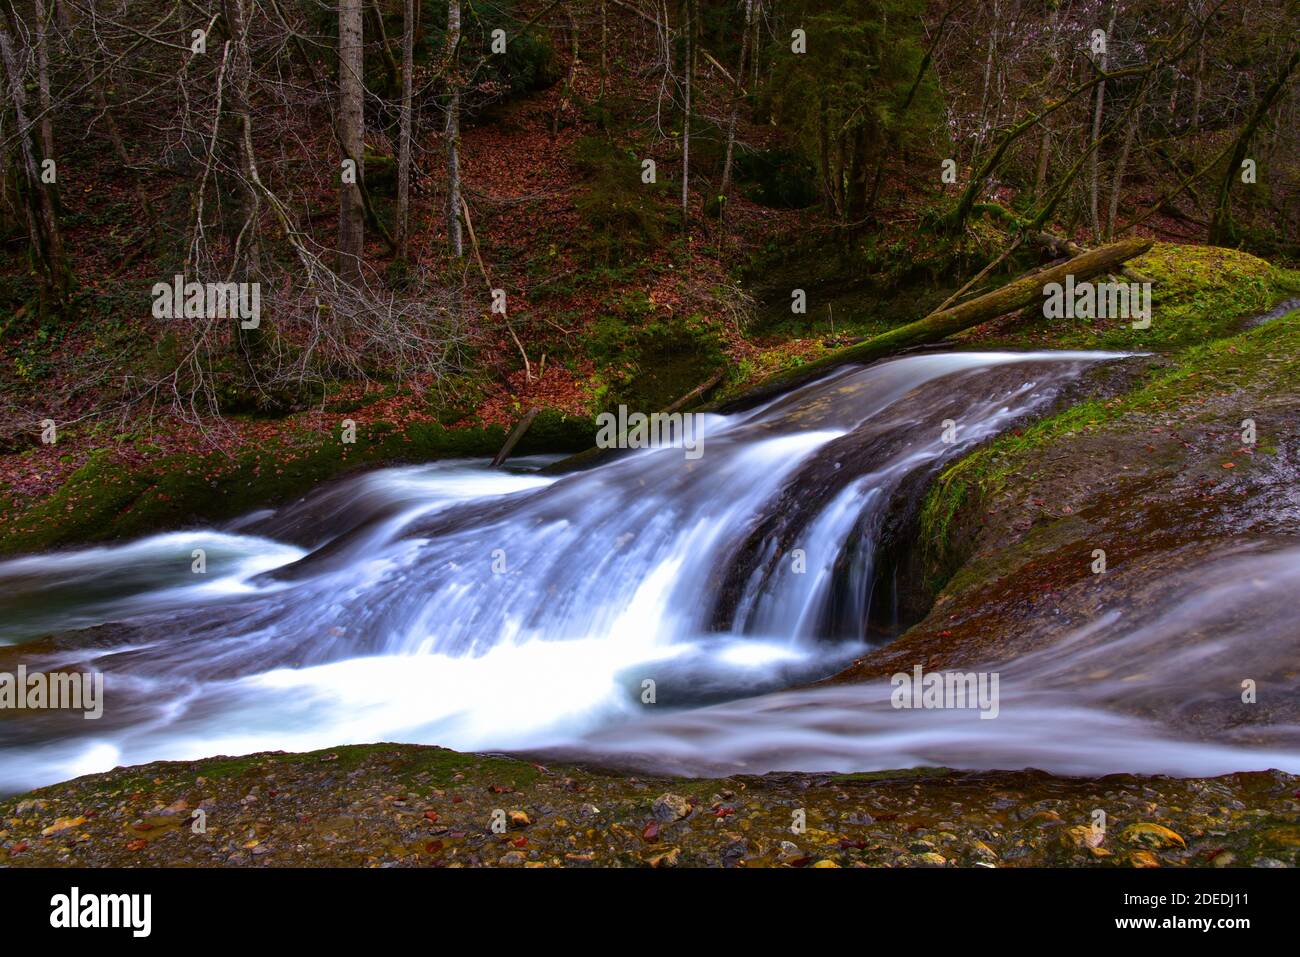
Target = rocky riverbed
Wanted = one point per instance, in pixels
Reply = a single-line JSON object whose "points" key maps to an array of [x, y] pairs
{"points": [[409, 806]]}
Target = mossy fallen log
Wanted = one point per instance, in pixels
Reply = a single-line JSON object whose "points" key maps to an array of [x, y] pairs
{"points": [[940, 325], [933, 328]]}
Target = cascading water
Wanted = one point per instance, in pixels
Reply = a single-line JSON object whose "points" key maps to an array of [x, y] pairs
{"points": [[451, 604]]}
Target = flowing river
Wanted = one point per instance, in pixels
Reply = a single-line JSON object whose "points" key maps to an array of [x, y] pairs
{"points": [[515, 610]]}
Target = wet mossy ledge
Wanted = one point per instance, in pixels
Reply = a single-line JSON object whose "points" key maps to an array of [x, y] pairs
{"points": [[1260, 361], [108, 499]]}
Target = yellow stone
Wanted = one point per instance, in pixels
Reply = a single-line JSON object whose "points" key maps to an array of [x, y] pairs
{"points": [[62, 824], [1152, 835]]}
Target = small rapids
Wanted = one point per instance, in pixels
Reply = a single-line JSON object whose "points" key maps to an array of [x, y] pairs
{"points": [[513, 610]]}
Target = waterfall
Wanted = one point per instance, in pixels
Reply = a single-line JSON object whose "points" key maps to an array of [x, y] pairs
{"points": [[473, 608]]}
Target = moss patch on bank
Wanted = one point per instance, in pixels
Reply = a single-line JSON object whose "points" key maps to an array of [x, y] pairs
{"points": [[1198, 294], [1262, 360], [108, 498]]}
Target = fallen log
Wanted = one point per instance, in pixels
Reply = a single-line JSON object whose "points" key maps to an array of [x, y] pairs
{"points": [[516, 434], [933, 328], [940, 325], [697, 392]]}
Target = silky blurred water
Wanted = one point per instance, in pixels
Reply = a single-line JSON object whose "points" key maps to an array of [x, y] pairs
{"points": [[485, 609]]}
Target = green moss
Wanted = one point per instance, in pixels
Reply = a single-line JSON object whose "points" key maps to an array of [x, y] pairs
{"points": [[894, 775], [1198, 293], [105, 500], [1266, 358]]}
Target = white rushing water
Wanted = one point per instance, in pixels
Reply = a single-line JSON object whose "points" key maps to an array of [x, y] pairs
{"points": [[484, 609]]}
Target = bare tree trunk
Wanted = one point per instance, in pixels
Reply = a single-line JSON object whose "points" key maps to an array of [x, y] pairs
{"points": [[566, 95], [1093, 188], [725, 191], [352, 224], [604, 48], [988, 75], [689, 28], [1221, 228], [247, 253], [246, 262], [404, 133], [43, 79], [390, 65], [42, 223], [454, 238], [1117, 184], [1200, 73], [1045, 143]]}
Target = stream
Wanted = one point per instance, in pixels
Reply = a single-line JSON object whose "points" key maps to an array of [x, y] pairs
{"points": [[515, 610]]}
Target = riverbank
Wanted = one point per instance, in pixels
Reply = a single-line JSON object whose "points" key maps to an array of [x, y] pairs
{"points": [[388, 805]]}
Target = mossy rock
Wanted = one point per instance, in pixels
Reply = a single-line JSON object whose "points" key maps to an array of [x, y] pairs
{"points": [[103, 500]]}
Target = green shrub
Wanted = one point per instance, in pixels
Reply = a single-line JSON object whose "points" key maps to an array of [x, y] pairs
{"points": [[777, 178], [622, 218]]}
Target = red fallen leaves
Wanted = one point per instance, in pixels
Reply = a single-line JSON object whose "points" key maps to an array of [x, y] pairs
{"points": [[19, 847], [433, 847], [137, 845], [724, 811], [457, 799], [520, 842], [500, 789], [857, 843], [650, 833], [431, 816]]}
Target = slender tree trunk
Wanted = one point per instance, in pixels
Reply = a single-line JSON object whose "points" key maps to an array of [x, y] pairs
{"points": [[988, 75], [737, 93], [352, 223], [1045, 143], [43, 100], [689, 28], [248, 255], [246, 264], [566, 95], [1117, 184], [1200, 73], [404, 132], [1093, 185], [604, 48], [454, 238], [1221, 227], [390, 64], [42, 222]]}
